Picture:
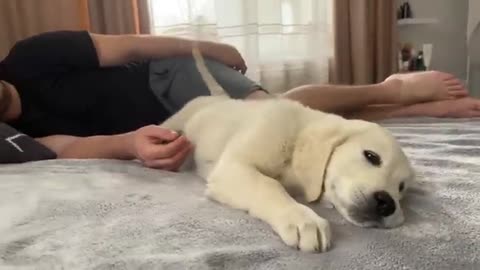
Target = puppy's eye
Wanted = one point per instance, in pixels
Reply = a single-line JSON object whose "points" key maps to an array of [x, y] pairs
{"points": [[372, 157], [401, 187]]}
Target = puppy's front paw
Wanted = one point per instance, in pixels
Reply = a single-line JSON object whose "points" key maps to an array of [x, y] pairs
{"points": [[302, 228]]}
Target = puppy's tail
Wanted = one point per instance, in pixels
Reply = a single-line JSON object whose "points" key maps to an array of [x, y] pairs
{"points": [[212, 84]]}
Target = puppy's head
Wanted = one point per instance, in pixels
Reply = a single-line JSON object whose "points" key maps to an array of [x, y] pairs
{"points": [[367, 175], [364, 171]]}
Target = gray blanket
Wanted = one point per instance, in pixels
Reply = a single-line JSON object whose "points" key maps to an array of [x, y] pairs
{"points": [[117, 215]]}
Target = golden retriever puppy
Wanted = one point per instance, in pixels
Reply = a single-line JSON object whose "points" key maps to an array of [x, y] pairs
{"points": [[266, 156]]}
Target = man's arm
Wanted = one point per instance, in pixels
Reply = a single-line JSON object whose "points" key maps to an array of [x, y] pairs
{"points": [[154, 146], [102, 147], [56, 52], [120, 49]]}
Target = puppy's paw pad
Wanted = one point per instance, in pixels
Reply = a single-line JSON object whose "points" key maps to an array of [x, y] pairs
{"points": [[304, 229]]}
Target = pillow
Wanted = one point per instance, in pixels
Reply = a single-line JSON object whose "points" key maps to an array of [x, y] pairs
{"points": [[16, 147]]}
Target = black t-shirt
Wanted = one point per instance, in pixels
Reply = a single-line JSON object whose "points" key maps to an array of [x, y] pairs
{"points": [[64, 90]]}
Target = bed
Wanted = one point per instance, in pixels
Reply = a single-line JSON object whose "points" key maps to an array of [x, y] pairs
{"points": [[102, 214]]}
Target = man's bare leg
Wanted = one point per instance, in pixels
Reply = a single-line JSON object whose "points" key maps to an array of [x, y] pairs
{"points": [[458, 108], [339, 99], [403, 89], [432, 93]]}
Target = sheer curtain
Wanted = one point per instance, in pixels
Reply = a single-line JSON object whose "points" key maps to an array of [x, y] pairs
{"points": [[286, 43]]}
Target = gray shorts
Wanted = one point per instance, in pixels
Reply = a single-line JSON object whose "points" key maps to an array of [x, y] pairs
{"points": [[175, 81]]}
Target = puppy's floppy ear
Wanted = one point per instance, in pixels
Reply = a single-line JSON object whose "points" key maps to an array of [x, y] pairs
{"points": [[313, 148]]}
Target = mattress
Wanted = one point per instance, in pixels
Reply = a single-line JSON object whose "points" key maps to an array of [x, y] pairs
{"points": [[105, 214]]}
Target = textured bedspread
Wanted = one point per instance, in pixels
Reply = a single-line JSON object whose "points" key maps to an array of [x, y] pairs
{"points": [[118, 215]]}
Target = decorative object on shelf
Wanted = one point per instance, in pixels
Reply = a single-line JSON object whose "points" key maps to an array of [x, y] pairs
{"points": [[410, 60], [427, 54], [405, 11], [405, 57], [417, 63]]}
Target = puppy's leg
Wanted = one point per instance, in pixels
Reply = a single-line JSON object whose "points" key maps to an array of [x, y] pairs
{"points": [[243, 187]]}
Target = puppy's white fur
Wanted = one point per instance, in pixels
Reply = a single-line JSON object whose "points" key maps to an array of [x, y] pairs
{"points": [[259, 155]]}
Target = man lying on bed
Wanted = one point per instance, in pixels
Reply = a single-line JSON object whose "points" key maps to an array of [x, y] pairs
{"points": [[87, 95]]}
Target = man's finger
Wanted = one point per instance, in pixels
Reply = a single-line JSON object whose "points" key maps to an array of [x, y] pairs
{"points": [[174, 147], [243, 69], [171, 163], [163, 151], [160, 133], [180, 159]]}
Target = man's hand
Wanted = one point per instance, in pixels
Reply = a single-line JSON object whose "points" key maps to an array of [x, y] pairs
{"points": [[225, 54], [154, 146], [159, 148]]}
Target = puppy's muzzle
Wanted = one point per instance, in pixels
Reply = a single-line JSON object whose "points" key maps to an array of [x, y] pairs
{"points": [[374, 210], [385, 205]]}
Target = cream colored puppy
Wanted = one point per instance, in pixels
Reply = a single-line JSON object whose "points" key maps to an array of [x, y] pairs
{"points": [[260, 155]]}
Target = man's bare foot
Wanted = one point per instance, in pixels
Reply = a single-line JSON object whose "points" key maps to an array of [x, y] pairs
{"points": [[426, 86], [454, 108]]}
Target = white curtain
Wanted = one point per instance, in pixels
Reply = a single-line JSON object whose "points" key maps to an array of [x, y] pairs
{"points": [[286, 43]]}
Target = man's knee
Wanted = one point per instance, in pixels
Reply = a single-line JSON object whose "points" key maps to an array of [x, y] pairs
{"points": [[177, 80]]}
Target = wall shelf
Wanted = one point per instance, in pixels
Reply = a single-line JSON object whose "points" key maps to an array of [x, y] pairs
{"points": [[416, 21]]}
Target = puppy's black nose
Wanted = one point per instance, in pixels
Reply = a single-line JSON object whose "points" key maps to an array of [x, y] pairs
{"points": [[385, 203]]}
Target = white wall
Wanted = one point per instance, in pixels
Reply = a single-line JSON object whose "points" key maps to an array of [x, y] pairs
{"points": [[474, 47], [448, 36], [474, 52]]}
